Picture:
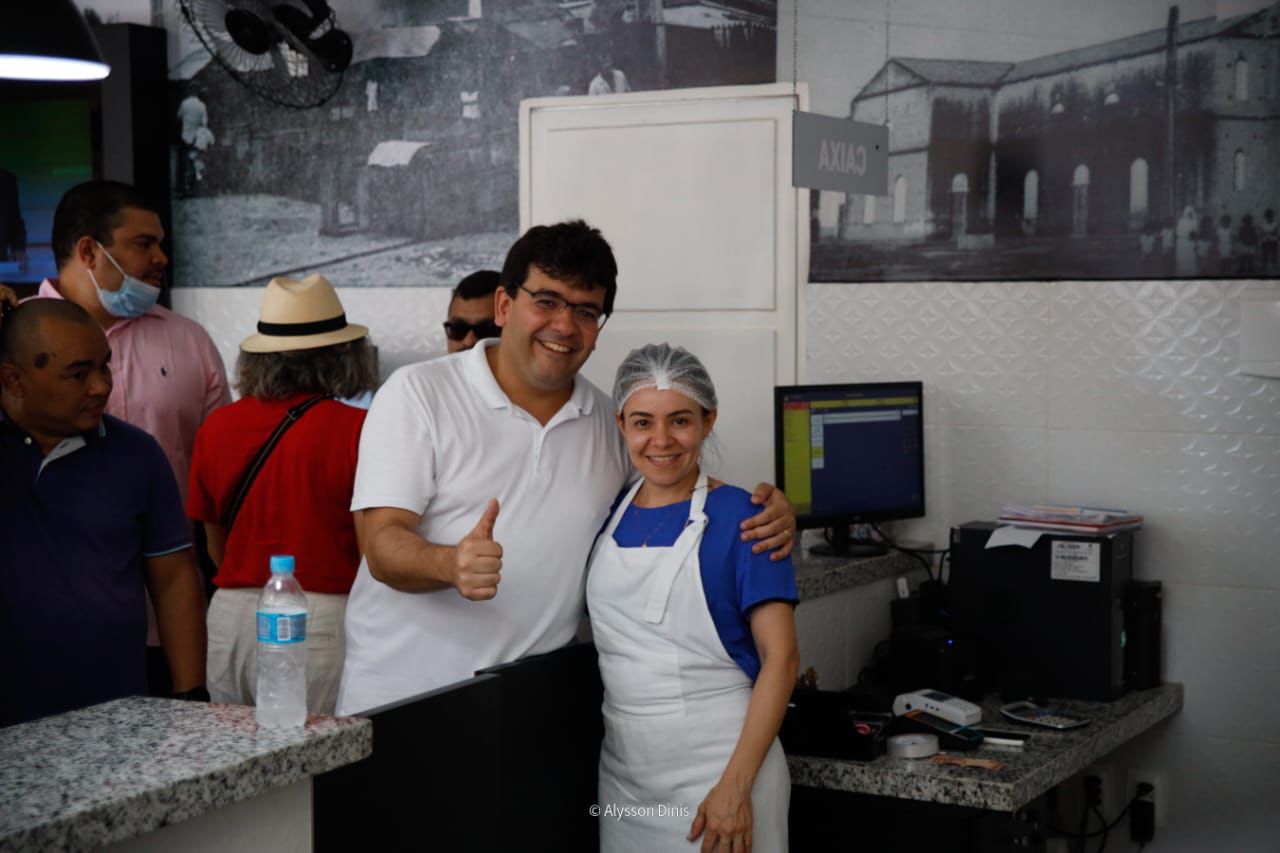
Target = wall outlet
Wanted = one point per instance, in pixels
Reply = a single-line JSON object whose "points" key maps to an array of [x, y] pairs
{"points": [[1160, 796], [1111, 794]]}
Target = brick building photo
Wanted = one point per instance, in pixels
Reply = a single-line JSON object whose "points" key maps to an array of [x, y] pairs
{"points": [[1142, 149]]}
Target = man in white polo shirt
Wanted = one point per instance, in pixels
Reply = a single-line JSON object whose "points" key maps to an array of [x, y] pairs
{"points": [[506, 451]]}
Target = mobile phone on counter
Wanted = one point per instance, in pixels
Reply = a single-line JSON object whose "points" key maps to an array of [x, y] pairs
{"points": [[1002, 737], [950, 735]]}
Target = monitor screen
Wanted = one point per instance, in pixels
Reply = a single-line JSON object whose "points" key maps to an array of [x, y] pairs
{"points": [[852, 453], [49, 150]]}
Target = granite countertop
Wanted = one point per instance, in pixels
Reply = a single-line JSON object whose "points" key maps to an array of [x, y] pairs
{"points": [[817, 576], [1048, 757], [106, 773]]}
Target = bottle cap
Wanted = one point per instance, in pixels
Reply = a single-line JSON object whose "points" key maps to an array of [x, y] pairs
{"points": [[281, 563]]}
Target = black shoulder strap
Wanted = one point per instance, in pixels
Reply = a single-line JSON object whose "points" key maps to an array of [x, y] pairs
{"points": [[251, 473]]}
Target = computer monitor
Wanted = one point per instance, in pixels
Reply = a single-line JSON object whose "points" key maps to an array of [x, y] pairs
{"points": [[51, 149], [850, 454]]}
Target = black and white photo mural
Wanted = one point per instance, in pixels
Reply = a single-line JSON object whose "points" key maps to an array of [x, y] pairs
{"points": [[407, 174], [1059, 139]]}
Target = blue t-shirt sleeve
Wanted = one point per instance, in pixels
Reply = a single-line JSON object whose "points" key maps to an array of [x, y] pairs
{"points": [[757, 578], [734, 580], [165, 528]]}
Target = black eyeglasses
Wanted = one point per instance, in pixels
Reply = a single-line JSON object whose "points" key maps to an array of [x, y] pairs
{"points": [[586, 313], [458, 330]]}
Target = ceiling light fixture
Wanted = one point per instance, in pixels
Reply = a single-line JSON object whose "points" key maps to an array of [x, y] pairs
{"points": [[47, 40]]}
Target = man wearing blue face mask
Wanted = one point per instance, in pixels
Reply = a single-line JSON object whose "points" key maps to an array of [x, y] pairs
{"points": [[168, 374]]}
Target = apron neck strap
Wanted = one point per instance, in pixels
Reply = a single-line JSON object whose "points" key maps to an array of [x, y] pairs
{"points": [[687, 543], [622, 507], [699, 498]]}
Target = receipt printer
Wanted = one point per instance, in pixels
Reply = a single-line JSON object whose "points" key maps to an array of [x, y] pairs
{"points": [[1048, 620]]}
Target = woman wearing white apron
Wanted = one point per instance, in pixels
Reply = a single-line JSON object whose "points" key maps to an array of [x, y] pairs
{"points": [[695, 633]]}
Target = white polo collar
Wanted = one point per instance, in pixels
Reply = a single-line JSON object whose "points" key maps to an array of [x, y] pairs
{"points": [[475, 366]]}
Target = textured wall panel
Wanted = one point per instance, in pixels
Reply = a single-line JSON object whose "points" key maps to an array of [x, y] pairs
{"points": [[982, 350], [1155, 355], [1211, 499]]}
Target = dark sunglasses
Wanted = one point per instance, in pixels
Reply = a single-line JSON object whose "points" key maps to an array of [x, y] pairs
{"points": [[458, 329]]}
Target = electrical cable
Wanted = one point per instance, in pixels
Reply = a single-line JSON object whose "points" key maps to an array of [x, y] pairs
{"points": [[1065, 834], [1084, 826], [1105, 830], [918, 553], [905, 548], [827, 534]]}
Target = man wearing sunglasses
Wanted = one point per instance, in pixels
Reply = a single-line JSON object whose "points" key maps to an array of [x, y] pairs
{"points": [[498, 465], [471, 311]]}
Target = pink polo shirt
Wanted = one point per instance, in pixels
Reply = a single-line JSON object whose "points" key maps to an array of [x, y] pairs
{"points": [[168, 378]]}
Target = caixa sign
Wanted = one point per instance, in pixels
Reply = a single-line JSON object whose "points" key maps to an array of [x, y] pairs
{"points": [[839, 154]]}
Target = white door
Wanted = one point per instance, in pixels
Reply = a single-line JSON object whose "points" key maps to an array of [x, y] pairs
{"points": [[692, 188]]}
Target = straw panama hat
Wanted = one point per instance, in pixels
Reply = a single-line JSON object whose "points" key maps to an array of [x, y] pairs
{"points": [[299, 315]]}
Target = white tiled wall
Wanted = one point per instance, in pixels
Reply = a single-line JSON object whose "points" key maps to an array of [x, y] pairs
{"points": [[1116, 393], [1222, 794]]}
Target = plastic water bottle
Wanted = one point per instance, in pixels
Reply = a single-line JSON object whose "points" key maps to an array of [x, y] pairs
{"points": [[282, 649]]}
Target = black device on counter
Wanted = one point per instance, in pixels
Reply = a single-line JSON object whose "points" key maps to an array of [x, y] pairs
{"points": [[926, 654], [1046, 620], [1142, 634], [922, 649], [950, 735], [833, 725], [926, 605]]}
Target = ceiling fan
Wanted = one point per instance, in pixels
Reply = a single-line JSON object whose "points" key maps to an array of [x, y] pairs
{"points": [[290, 52]]}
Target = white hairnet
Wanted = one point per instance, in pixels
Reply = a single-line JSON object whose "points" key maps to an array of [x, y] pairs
{"points": [[666, 368]]}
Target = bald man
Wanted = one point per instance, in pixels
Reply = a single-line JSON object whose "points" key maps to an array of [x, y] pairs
{"points": [[89, 516]]}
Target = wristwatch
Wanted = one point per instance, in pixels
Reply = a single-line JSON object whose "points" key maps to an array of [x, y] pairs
{"points": [[195, 694]]}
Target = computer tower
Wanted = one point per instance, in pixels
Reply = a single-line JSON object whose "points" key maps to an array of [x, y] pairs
{"points": [[1047, 621], [1142, 630]]}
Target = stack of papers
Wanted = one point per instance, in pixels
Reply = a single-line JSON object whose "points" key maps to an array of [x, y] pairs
{"points": [[1072, 519]]}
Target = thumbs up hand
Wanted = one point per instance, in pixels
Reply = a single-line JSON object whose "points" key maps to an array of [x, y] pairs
{"points": [[478, 559]]}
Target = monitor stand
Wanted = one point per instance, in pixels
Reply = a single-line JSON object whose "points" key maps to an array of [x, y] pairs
{"points": [[843, 545]]}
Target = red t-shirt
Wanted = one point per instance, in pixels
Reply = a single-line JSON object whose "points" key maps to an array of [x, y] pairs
{"points": [[300, 503]]}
